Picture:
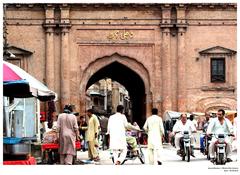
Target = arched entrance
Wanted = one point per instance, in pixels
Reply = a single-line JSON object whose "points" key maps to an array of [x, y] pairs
{"points": [[128, 72], [214, 103]]}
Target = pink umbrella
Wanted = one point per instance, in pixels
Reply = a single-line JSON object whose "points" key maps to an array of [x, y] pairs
{"points": [[20, 84]]}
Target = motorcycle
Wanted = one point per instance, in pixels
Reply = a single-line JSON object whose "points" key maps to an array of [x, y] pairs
{"points": [[220, 157], [131, 155], [185, 146]]}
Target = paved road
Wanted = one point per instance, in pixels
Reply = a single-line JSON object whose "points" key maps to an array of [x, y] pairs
{"points": [[169, 157]]}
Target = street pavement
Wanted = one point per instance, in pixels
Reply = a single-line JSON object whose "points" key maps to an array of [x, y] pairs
{"points": [[169, 157]]}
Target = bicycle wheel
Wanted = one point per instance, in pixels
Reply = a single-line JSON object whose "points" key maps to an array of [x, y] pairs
{"points": [[141, 156]]}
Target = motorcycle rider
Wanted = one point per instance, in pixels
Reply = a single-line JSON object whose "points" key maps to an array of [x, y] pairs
{"points": [[205, 126], [220, 125], [180, 126], [131, 140]]}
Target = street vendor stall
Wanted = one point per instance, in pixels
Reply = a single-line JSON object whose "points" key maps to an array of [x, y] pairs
{"points": [[52, 148], [28, 161], [21, 107], [18, 83]]}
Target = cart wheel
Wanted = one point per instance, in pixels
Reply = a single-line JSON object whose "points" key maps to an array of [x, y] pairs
{"points": [[74, 160], [45, 157]]}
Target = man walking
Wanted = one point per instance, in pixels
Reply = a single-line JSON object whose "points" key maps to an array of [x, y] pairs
{"points": [[154, 128], [117, 124], [92, 135], [68, 133]]}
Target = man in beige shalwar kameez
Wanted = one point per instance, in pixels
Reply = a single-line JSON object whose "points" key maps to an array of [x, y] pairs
{"points": [[68, 133], [154, 128], [92, 135]]}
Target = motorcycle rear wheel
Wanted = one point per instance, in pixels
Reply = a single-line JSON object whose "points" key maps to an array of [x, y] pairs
{"points": [[141, 156]]}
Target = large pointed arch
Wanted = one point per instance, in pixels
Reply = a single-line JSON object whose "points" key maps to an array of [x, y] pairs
{"points": [[119, 64], [131, 63]]}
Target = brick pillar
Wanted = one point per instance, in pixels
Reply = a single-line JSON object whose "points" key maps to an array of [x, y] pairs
{"points": [[166, 70], [166, 59], [50, 58], [65, 62], [149, 104], [181, 54], [65, 69], [115, 96], [182, 94], [49, 26]]}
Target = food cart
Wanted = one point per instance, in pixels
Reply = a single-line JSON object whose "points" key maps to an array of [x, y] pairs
{"points": [[21, 105], [52, 148]]}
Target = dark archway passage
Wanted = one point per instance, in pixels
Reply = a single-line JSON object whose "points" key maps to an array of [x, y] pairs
{"points": [[131, 81]]}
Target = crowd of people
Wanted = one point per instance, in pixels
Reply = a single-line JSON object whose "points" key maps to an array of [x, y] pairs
{"points": [[117, 134]]}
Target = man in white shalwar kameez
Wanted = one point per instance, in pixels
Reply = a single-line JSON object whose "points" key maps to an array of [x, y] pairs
{"points": [[154, 128], [117, 125], [220, 125]]}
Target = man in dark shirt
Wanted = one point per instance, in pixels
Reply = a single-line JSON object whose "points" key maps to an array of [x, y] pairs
{"points": [[82, 130], [103, 125], [205, 126]]}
